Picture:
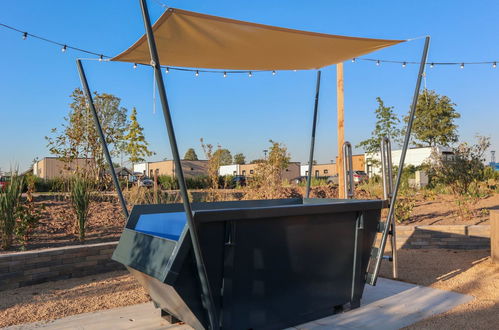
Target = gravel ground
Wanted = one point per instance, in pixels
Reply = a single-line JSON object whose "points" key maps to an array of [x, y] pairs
{"points": [[467, 272], [54, 300]]}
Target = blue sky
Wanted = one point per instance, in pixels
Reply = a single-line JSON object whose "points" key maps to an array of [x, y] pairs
{"points": [[238, 112]]}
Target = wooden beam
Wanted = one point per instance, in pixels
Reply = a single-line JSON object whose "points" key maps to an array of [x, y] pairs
{"points": [[341, 128]]}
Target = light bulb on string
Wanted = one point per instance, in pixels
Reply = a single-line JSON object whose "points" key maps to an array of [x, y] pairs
{"points": [[462, 65], [101, 58], [494, 65], [135, 65], [353, 60], [250, 74], [404, 64], [378, 62], [294, 70], [64, 48], [167, 70], [273, 72], [197, 73], [432, 65], [25, 35], [225, 74]]}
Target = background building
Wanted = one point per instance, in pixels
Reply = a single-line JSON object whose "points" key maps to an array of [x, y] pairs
{"points": [[248, 170], [191, 168], [414, 156], [53, 167]]}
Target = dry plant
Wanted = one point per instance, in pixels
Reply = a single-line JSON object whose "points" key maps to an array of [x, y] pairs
{"points": [[266, 183], [141, 195], [214, 162]]}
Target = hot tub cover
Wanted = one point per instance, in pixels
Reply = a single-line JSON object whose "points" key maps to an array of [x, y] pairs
{"points": [[189, 39]]}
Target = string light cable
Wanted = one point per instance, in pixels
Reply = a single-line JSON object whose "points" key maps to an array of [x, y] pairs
{"points": [[101, 57]]}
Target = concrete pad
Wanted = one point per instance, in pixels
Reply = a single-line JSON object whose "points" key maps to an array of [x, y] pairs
{"points": [[388, 305]]}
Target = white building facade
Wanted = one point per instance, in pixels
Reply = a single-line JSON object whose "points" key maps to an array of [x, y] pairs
{"points": [[414, 156]]}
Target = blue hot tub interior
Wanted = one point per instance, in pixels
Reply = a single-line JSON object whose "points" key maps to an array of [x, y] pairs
{"points": [[166, 225]]}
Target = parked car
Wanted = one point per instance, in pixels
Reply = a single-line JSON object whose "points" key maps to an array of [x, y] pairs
{"points": [[299, 180], [145, 182], [4, 181], [360, 176]]}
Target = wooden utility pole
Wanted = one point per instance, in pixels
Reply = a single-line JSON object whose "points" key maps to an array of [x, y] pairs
{"points": [[341, 129]]}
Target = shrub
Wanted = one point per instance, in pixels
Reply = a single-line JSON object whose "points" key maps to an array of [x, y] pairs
{"points": [[9, 203], [28, 214], [80, 193], [167, 182]]}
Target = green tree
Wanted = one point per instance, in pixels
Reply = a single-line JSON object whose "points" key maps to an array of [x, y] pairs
{"points": [[434, 120], [224, 155], [78, 137], [387, 124], [136, 144], [239, 159], [190, 154]]}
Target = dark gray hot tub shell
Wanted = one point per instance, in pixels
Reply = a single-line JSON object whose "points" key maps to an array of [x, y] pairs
{"points": [[270, 263]]}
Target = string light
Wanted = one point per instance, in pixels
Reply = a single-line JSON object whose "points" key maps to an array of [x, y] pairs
{"points": [[64, 47], [135, 65]]}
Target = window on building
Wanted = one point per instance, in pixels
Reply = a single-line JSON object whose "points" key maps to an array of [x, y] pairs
{"points": [[192, 169], [234, 173], [244, 172], [287, 170], [251, 172], [306, 173], [325, 171], [316, 173]]}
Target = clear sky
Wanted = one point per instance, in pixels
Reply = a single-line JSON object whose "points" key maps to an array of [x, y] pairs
{"points": [[239, 112]]}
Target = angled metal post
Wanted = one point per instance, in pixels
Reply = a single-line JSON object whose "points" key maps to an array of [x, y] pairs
{"points": [[207, 296], [312, 140], [90, 102], [348, 170], [381, 250]]}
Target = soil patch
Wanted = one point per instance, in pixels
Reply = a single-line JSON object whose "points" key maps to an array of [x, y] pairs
{"points": [[53, 300]]}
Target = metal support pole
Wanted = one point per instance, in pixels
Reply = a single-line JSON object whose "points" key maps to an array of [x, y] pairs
{"points": [[207, 296], [312, 140], [387, 177], [90, 102], [402, 160], [386, 167], [348, 183]]}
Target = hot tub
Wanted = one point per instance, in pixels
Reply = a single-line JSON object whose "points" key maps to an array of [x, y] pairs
{"points": [[270, 263]]}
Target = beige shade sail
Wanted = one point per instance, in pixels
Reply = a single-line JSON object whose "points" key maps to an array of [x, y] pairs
{"points": [[189, 39]]}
